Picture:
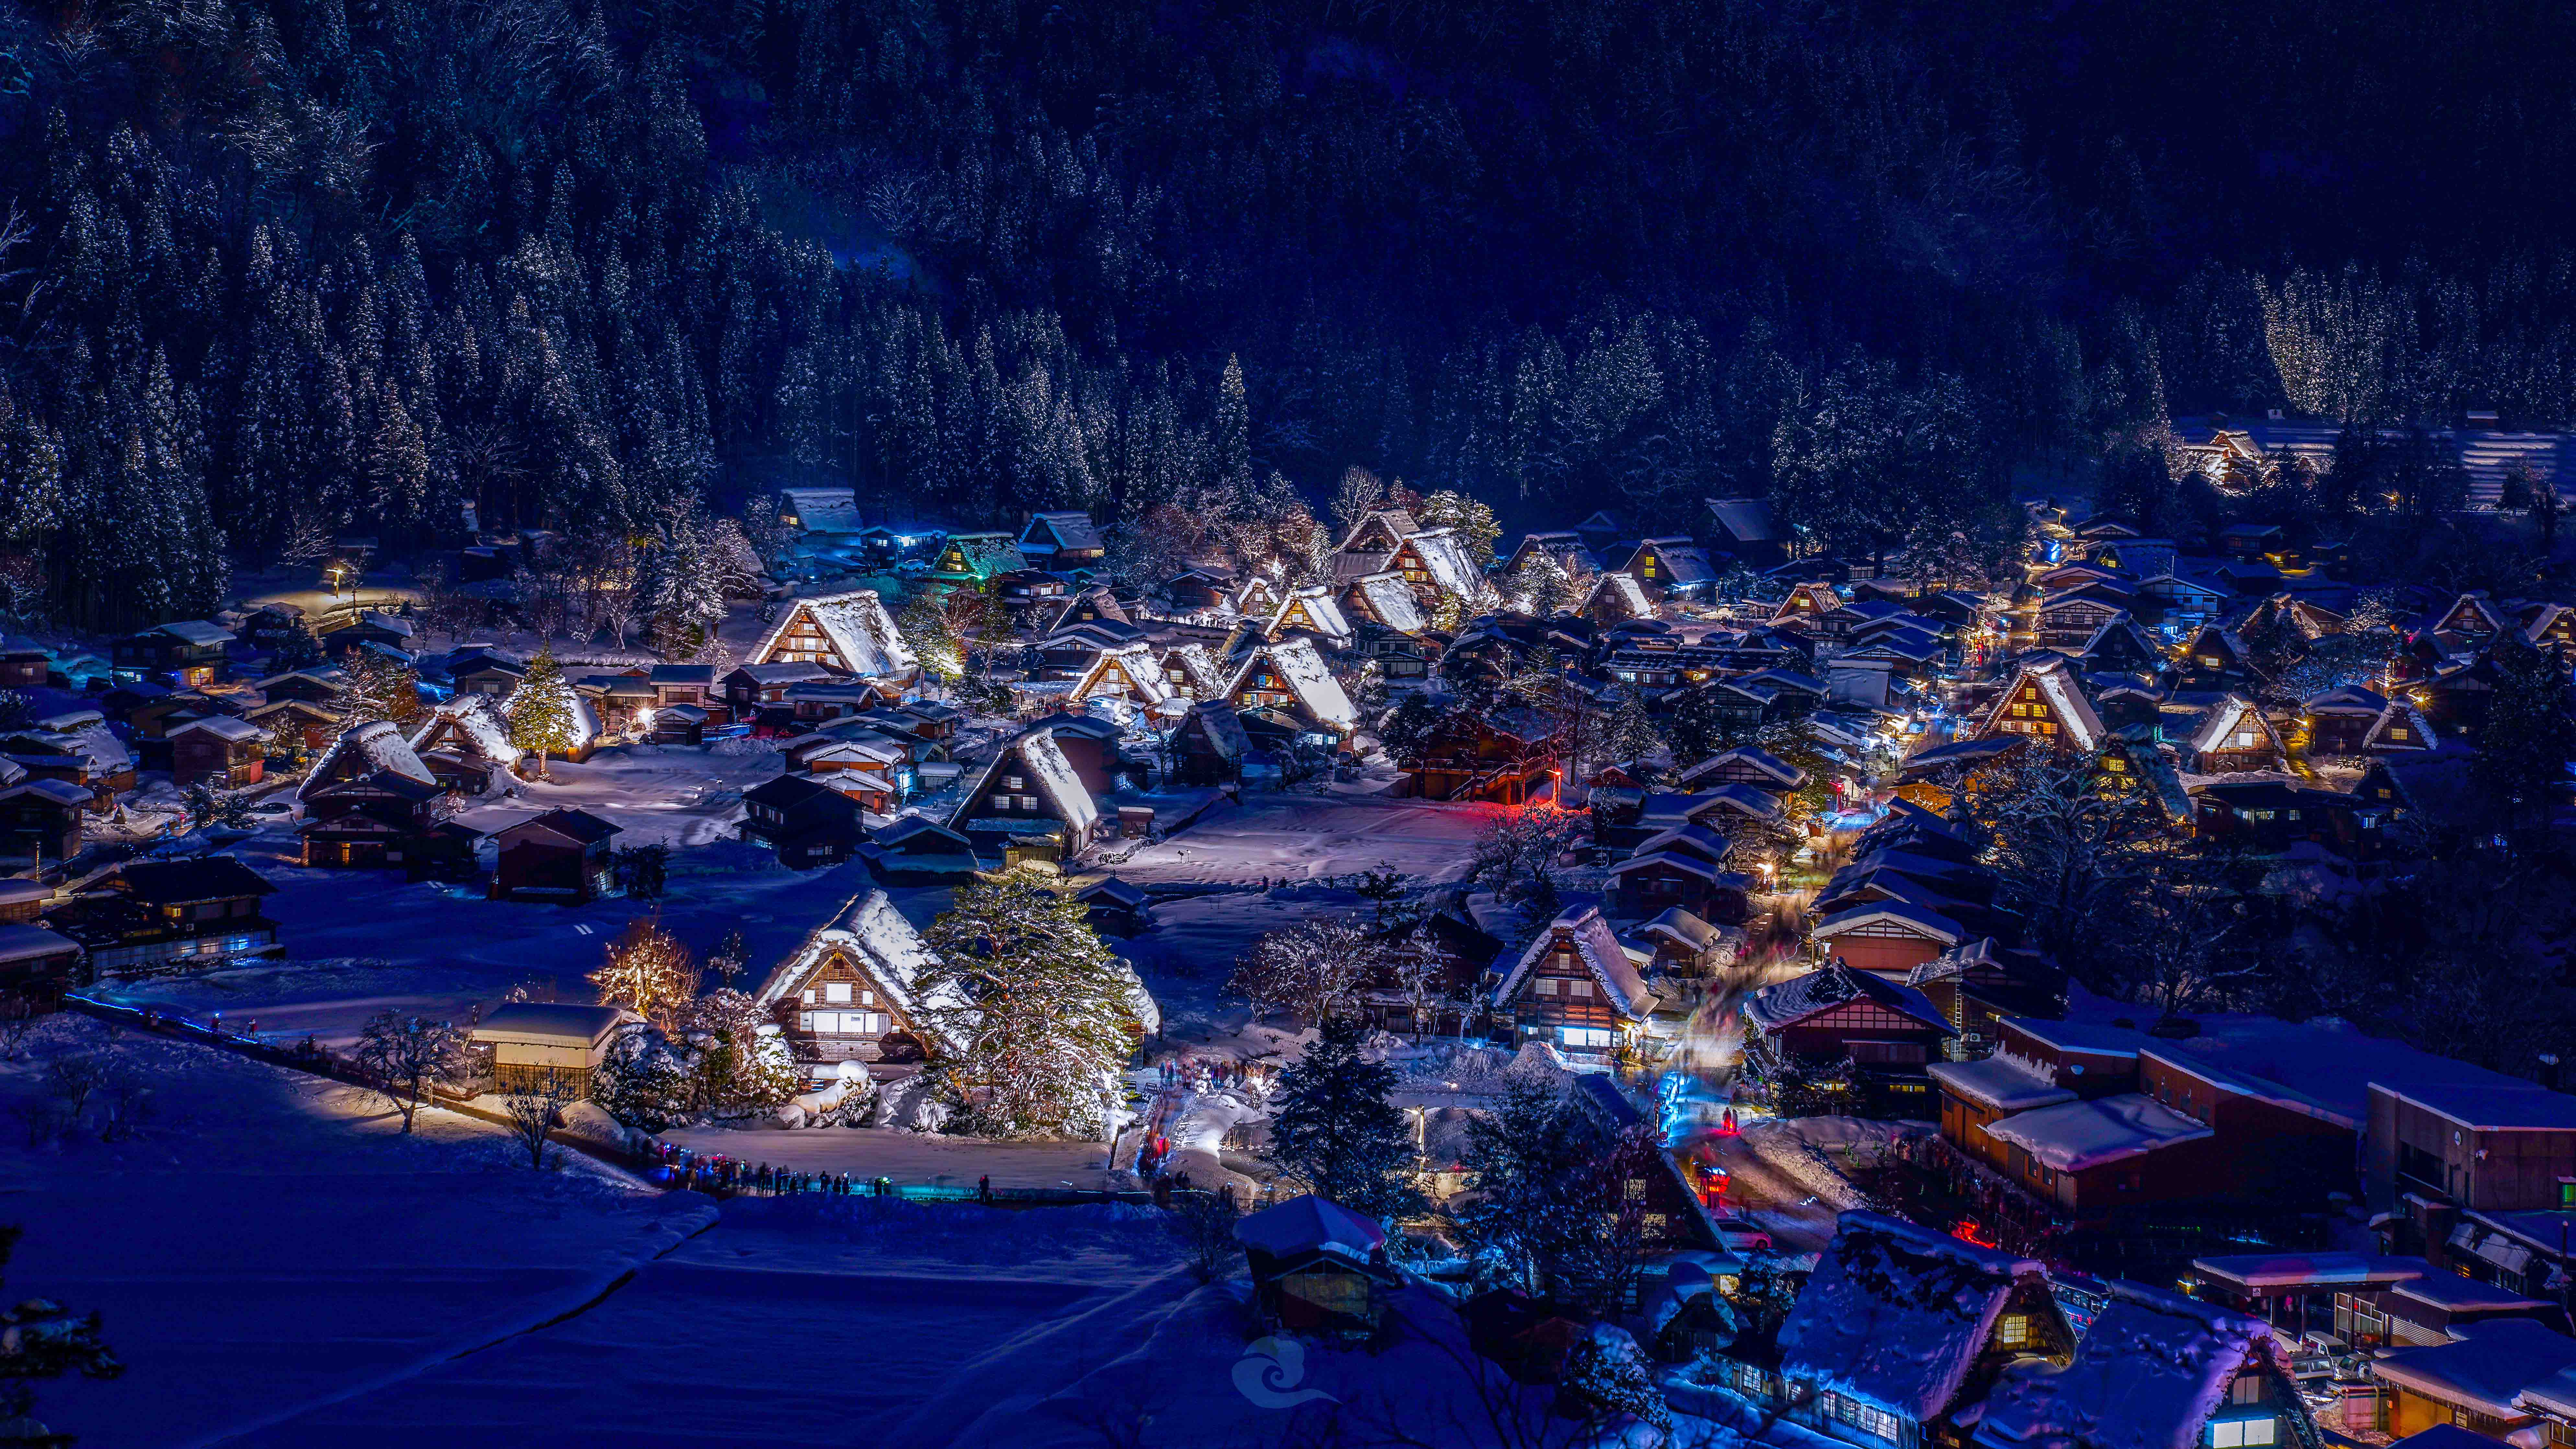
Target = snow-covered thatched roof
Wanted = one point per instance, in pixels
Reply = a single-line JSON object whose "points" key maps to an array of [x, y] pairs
{"points": [[1753, 757], [856, 625], [1622, 592], [376, 747], [822, 510], [1052, 775], [2228, 716], [1301, 670], [1444, 556], [1895, 1314], [1196, 667], [2064, 697], [474, 720], [1597, 946], [1387, 598], [2149, 1373], [1829, 988], [1311, 607], [876, 937], [1065, 529], [1140, 666]]}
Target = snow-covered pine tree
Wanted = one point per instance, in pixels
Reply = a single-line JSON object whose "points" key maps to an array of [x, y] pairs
{"points": [[1040, 1013], [541, 710], [1630, 733], [1332, 1128]]}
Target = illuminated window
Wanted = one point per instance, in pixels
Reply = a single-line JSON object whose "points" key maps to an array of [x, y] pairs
{"points": [[836, 992], [2013, 1331], [1546, 986], [2244, 1433]]}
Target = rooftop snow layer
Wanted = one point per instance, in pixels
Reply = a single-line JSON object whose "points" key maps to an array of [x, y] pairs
{"points": [[2078, 1135], [1999, 1083], [2148, 1374], [1895, 1314]]}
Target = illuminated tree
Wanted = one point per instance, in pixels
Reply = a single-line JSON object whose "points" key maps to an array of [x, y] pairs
{"points": [[650, 973]]}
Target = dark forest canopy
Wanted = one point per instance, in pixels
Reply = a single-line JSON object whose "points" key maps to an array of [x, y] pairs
{"points": [[281, 269]]}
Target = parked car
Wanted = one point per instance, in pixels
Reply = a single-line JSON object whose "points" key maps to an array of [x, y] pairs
{"points": [[276, 810], [1737, 1233]]}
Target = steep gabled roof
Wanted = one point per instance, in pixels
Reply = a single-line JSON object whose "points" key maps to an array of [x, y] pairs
{"points": [[1829, 988], [1302, 670], [477, 717], [2064, 697], [1444, 554], [1138, 663], [1895, 1315], [1390, 601], [1919, 919], [1748, 520], [874, 935], [1069, 528], [2226, 716], [1315, 603], [578, 826], [1597, 946], [1621, 591], [2151, 1370], [1052, 775], [377, 747], [857, 626], [2399, 712]]}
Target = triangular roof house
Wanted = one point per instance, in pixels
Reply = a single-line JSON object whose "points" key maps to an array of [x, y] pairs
{"points": [[849, 632]]}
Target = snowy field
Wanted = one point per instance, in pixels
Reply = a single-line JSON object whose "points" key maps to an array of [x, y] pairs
{"points": [[268, 1241], [279, 1267], [1272, 838]]}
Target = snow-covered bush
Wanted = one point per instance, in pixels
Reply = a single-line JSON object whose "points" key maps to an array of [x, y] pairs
{"points": [[644, 1080], [1607, 1380]]}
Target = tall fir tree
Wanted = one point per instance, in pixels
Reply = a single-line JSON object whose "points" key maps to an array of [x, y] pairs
{"points": [[544, 717], [1036, 1015], [1332, 1127]]}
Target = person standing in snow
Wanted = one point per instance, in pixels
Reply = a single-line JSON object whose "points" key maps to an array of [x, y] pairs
{"points": [[984, 1188]]}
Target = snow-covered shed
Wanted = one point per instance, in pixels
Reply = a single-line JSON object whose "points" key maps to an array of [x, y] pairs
{"points": [[1901, 1327], [1318, 1268], [917, 850], [848, 632], [534, 1040]]}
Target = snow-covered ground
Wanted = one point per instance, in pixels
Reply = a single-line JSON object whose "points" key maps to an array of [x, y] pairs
{"points": [[360, 941], [1299, 837], [268, 1240], [912, 1157]]}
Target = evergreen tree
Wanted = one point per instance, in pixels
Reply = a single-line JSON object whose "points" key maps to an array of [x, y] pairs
{"points": [[1332, 1128], [542, 711], [1039, 1017], [1630, 733], [2528, 736]]}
